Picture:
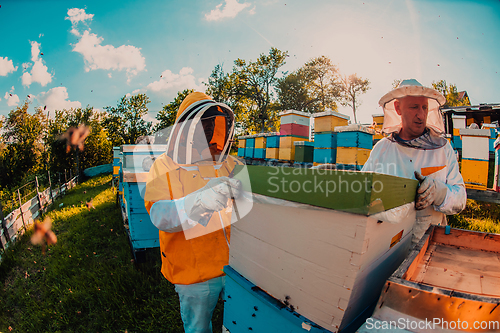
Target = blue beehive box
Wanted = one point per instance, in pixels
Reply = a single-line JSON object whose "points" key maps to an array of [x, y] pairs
{"points": [[457, 142], [241, 152], [355, 139], [141, 231], [247, 308], [273, 141], [325, 140], [325, 155], [250, 143], [249, 151], [259, 153]]}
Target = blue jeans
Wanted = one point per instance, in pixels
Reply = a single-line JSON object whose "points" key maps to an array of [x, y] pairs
{"points": [[198, 302]]}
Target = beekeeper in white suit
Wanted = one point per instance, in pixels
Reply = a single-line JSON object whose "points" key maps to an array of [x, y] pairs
{"points": [[415, 148]]}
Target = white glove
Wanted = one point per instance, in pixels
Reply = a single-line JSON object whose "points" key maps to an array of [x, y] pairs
{"points": [[213, 197], [429, 192]]}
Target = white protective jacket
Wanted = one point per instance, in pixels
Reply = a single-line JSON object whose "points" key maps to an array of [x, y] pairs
{"points": [[389, 157]]}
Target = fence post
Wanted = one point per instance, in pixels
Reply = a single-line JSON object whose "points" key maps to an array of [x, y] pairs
{"points": [[4, 227], [50, 190], [40, 209], [21, 208]]}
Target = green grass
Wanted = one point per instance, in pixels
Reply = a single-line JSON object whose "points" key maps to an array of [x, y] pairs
{"points": [[87, 282], [477, 216]]}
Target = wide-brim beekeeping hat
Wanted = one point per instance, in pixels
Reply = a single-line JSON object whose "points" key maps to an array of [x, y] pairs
{"points": [[411, 87]]}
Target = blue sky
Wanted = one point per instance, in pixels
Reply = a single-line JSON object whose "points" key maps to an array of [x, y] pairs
{"points": [[95, 52]]}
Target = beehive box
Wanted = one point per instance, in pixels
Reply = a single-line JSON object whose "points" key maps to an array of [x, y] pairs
{"points": [[475, 157], [116, 162], [142, 233], [273, 140], [450, 279], [321, 252], [303, 151], [241, 143], [328, 120], [496, 181], [272, 153], [378, 121], [325, 140], [325, 155], [259, 153], [260, 142], [352, 155], [294, 129], [241, 152], [294, 117]]}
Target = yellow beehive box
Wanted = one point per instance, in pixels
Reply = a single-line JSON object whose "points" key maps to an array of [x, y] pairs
{"points": [[456, 131], [475, 174], [327, 121], [287, 141], [287, 154], [242, 143], [352, 155], [116, 170], [260, 142], [272, 153]]}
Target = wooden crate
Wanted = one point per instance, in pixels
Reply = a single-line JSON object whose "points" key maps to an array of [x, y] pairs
{"points": [[330, 265], [272, 153], [352, 155], [449, 276], [327, 121]]}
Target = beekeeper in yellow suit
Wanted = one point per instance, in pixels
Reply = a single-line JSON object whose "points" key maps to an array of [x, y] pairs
{"points": [[415, 148], [189, 196]]}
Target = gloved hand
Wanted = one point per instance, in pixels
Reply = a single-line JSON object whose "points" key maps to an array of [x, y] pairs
{"points": [[429, 192], [213, 197]]}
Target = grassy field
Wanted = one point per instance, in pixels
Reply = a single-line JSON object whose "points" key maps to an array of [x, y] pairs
{"points": [[87, 282]]}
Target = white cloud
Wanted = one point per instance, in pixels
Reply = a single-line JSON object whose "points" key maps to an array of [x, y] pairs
{"points": [[6, 66], [76, 15], [108, 57], [110, 75], [57, 99], [231, 9], [176, 82], [39, 72], [12, 99]]}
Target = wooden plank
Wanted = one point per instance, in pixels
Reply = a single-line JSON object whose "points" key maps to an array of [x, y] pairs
{"points": [[468, 239], [409, 266], [9, 220], [334, 189], [134, 177], [143, 148]]}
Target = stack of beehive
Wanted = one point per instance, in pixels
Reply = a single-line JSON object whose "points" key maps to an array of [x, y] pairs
{"points": [[294, 127], [325, 139], [354, 143], [378, 122], [272, 146], [458, 123], [475, 157]]}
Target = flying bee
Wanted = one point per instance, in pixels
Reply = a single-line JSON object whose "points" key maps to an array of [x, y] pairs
{"points": [[75, 137], [43, 234]]}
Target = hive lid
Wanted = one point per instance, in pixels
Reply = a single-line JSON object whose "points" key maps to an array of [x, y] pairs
{"points": [[363, 193]]}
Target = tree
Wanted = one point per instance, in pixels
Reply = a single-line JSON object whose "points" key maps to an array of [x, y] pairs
{"points": [[23, 136], [249, 90], [293, 94], [322, 83], [124, 122], [351, 87], [167, 117], [451, 93]]}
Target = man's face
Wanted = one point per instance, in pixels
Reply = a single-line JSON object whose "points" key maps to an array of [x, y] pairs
{"points": [[413, 111]]}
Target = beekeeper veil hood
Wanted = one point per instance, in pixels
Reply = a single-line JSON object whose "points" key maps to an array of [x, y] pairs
{"points": [[203, 130], [411, 87]]}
